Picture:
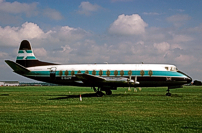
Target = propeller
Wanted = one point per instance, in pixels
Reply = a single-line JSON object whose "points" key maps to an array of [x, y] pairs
{"points": [[135, 81]]}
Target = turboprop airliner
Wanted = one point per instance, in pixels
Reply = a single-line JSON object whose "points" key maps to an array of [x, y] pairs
{"points": [[100, 77]]}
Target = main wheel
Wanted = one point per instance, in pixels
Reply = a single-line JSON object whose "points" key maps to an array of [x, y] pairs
{"points": [[99, 94], [108, 92]]}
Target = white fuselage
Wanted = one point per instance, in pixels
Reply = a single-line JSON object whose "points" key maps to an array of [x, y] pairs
{"points": [[145, 74]]}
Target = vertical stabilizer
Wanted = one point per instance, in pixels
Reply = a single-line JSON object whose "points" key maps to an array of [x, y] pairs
{"points": [[25, 52], [27, 58]]}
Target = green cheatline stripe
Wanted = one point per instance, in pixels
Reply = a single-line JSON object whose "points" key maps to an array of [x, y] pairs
{"points": [[134, 73]]}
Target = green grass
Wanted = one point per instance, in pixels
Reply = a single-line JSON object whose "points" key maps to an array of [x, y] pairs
{"points": [[58, 109]]}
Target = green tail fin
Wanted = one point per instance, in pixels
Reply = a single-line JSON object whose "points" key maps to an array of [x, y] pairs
{"points": [[27, 58], [25, 51]]}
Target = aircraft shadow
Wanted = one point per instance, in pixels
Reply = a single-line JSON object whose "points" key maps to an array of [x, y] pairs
{"points": [[73, 96], [192, 128], [60, 97], [86, 95], [4, 95]]}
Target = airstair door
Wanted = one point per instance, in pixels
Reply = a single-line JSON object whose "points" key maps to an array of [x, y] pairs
{"points": [[52, 73]]}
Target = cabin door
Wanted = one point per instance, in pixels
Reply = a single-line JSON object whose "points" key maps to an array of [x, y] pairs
{"points": [[52, 72]]}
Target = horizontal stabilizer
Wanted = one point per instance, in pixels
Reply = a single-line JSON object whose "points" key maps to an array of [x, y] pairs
{"points": [[17, 67]]}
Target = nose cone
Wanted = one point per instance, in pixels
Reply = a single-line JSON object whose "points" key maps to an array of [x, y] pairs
{"points": [[189, 79]]}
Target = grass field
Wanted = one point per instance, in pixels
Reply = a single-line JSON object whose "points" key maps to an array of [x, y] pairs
{"points": [[58, 109]]}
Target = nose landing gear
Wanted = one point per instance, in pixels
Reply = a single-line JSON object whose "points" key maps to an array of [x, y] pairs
{"points": [[168, 94]]}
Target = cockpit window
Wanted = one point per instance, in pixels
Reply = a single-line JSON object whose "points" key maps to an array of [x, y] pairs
{"points": [[171, 69]]}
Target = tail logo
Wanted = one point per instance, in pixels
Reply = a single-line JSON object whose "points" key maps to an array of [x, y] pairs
{"points": [[26, 55]]}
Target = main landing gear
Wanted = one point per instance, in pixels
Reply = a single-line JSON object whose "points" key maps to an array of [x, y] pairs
{"points": [[99, 92]]}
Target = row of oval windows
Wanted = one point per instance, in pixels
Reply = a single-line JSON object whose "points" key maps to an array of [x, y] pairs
{"points": [[108, 73]]}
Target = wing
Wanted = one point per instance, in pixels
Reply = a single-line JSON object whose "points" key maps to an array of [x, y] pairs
{"points": [[95, 80], [87, 77]]}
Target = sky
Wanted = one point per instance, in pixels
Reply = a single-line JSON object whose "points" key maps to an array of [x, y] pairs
{"points": [[98, 31]]}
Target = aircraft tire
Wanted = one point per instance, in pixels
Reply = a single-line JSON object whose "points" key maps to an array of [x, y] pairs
{"points": [[168, 94], [99, 94], [109, 92]]}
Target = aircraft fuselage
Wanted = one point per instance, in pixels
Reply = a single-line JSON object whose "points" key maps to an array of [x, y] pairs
{"points": [[148, 75]]}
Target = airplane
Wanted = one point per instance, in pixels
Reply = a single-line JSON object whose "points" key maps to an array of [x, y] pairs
{"points": [[100, 77]]}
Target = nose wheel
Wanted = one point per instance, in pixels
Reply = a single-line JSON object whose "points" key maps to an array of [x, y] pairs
{"points": [[168, 94]]}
